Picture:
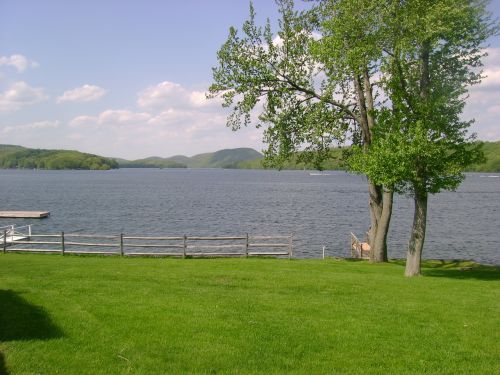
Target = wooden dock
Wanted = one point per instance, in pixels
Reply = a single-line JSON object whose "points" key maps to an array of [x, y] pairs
{"points": [[359, 249], [24, 214]]}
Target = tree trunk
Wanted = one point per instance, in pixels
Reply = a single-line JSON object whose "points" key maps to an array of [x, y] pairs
{"points": [[363, 114], [379, 246], [375, 204], [370, 107], [417, 237], [416, 244], [380, 214]]}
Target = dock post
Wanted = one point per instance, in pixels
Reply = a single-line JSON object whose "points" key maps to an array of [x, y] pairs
{"points": [[184, 247], [62, 243], [246, 246], [290, 247], [121, 244], [4, 241]]}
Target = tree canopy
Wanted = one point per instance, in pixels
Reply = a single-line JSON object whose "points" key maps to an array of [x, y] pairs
{"points": [[275, 79]]}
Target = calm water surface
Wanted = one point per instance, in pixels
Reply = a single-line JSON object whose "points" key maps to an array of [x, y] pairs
{"points": [[319, 210]]}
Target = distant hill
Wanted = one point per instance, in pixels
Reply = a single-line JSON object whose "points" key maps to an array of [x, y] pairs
{"points": [[229, 158], [12, 156], [180, 159], [28, 158], [10, 148], [151, 162]]}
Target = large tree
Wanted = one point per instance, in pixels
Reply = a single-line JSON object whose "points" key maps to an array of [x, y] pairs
{"points": [[307, 92], [351, 49], [390, 74], [421, 145]]}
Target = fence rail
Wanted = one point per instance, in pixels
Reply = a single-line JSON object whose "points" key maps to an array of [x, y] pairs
{"points": [[122, 245]]}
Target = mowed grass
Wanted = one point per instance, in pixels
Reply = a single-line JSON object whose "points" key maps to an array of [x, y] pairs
{"points": [[98, 315]]}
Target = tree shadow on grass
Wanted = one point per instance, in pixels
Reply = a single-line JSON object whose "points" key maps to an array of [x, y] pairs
{"points": [[3, 369], [487, 273], [20, 320], [457, 269]]}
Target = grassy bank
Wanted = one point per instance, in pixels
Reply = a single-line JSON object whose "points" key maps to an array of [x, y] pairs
{"points": [[91, 315]]}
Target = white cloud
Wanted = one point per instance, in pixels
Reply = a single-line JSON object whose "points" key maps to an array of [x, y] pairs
{"points": [[492, 77], [19, 62], [83, 121], [171, 120], [20, 95], [112, 117], [32, 126], [199, 99], [168, 95], [165, 94], [76, 137], [279, 42], [122, 117], [85, 93], [482, 104], [174, 131]]}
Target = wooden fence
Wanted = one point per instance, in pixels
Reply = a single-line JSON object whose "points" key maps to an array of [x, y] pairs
{"points": [[180, 246]]}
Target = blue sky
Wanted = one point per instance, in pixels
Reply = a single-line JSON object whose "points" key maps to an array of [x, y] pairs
{"points": [[126, 78]]}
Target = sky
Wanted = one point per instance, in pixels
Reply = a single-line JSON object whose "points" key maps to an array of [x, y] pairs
{"points": [[126, 78]]}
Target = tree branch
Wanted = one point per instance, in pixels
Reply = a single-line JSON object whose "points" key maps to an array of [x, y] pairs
{"points": [[305, 90]]}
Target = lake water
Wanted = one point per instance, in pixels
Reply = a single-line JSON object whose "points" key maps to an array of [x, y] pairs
{"points": [[319, 210]]}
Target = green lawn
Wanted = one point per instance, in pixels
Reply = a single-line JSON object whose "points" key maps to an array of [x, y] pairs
{"points": [[97, 315]]}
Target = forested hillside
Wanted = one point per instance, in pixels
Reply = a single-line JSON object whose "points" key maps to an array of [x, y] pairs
{"points": [[229, 158], [336, 161], [26, 158], [241, 158], [492, 154]]}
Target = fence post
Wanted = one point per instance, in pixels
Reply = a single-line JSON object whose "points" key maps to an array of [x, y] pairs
{"points": [[62, 243], [184, 247], [29, 232], [246, 246], [290, 247], [121, 244], [4, 240]]}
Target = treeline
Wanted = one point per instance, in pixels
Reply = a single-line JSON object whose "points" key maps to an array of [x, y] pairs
{"points": [[241, 158], [492, 155], [25, 158], [336, 161]]}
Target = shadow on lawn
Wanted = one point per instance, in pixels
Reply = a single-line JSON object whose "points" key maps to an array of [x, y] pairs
{"points": [[20, 320], [457, 269], [3, 370]]}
